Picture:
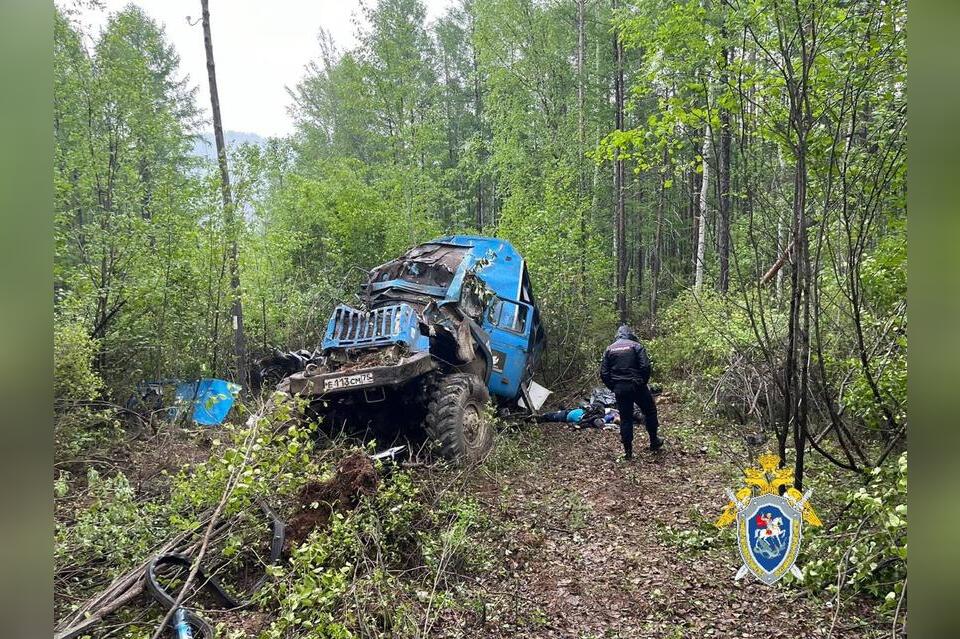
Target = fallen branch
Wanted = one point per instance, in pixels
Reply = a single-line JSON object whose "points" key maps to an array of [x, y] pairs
{"points": [[254, 422], [772, 271], [130, 585], [896, 615], [120, 591], [893, 444]]}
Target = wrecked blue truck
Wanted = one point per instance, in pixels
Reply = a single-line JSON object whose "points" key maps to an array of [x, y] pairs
{"points": [[440, 331]]}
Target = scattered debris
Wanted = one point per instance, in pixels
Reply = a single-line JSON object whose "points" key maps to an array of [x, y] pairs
{"points": [[391, 454], [755, 439], [603, 396], [207, 401], [270, 370], [349, 361]]}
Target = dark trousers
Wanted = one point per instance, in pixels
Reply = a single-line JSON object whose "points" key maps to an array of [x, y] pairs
{"points": [[627, 396]]}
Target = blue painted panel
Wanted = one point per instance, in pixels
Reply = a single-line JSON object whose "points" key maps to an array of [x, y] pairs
{"points": [[210, 399], [502, 275], [508, 323]]}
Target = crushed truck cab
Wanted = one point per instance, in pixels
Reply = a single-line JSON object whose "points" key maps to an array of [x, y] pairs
{"points": [[440, 330]]}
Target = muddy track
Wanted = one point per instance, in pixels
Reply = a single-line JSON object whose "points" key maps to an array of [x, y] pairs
{"points": [[586, 550]]}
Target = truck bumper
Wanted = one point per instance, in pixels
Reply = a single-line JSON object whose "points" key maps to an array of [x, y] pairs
{"points": [[318, 383]]}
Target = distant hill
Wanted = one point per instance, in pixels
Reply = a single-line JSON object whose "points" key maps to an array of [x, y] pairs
{"points": [[204, 146]]}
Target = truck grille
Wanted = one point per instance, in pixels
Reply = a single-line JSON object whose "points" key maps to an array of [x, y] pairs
{"points": [[350, 327]]}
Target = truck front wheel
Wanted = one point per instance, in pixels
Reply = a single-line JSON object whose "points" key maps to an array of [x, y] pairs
{"points": [[455, 419]]}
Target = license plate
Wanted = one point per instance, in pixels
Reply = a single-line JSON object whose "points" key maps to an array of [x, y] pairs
{"points": [[347, 381]]}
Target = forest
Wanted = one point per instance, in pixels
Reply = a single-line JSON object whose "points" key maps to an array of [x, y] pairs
{"points": [[728, 177]]}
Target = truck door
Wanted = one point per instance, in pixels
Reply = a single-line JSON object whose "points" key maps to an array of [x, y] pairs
{"points": [[508, 322]]}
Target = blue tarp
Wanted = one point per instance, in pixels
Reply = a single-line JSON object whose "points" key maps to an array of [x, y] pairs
{"points": [[211, 399]]}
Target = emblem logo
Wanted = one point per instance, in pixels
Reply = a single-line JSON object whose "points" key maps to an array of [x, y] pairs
{"points": [[769, 525]]}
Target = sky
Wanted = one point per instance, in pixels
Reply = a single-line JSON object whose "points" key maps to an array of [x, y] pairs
{"points": [[260, 47]]}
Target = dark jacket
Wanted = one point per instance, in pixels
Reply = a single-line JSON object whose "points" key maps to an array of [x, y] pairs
{"points": [[625, 360]]}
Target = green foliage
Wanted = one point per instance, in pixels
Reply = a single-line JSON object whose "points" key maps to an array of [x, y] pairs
{"points": [[131, 219], [702, 537], [884, 281], [881, 287], [698, 332], [83, 429], [79, 424], [112, 529], [268, 459], [373, 567], [679, 42], [884, 270], [866, 549], [74, 377], [891, 382], [579, 318], [516, 448]]}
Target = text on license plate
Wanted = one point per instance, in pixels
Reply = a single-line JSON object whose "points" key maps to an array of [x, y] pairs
{"points": [[347, 381]]}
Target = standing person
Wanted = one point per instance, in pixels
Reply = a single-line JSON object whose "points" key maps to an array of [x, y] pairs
{"points": [[626, 370]]}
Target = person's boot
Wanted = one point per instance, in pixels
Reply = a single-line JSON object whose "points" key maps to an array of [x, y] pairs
{"points": [[656, 443], [628, 451]]}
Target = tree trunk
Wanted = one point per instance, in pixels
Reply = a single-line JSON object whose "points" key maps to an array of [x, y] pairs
{"points": [[781, 227], [581, 138], [797, 360], [690, 243], [239, 340], [798, 373], [723, 228], [478, 114], [637, 234], [657, 238], [620, 233], [595, 183], [702, 222]]}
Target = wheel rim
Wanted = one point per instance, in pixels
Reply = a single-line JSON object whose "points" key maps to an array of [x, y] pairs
{"points": [[472, 425]]}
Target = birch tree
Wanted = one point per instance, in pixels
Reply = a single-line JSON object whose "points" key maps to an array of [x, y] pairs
{"points": [[702, 223]]}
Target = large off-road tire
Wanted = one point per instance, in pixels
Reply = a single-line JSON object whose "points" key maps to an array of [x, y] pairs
{"points": [[456, 423]]}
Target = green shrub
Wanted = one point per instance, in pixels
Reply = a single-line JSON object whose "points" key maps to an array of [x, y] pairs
{"points": [[372, 568], [883, 277], [279, 462], [108, 535], [78, 426], [696, 335], [74, 378], [867, 547], [82, 429], [891, 381]]}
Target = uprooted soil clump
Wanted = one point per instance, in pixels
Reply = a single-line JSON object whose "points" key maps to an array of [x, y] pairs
{"points": [[354, 478]]}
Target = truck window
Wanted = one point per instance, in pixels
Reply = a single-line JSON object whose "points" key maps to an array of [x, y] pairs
{"points": [[526, 292], [474, 295], [508, 315]]}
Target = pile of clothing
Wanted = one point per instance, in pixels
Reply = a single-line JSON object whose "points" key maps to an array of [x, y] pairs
{"points": [[599, 411]]}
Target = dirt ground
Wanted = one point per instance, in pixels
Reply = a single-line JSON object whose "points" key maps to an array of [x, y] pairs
{"points": [[582, 545], [591, 547], [355, 478]]}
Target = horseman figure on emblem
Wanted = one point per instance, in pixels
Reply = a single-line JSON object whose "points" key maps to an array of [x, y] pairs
{"points": [[768, 537]]}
